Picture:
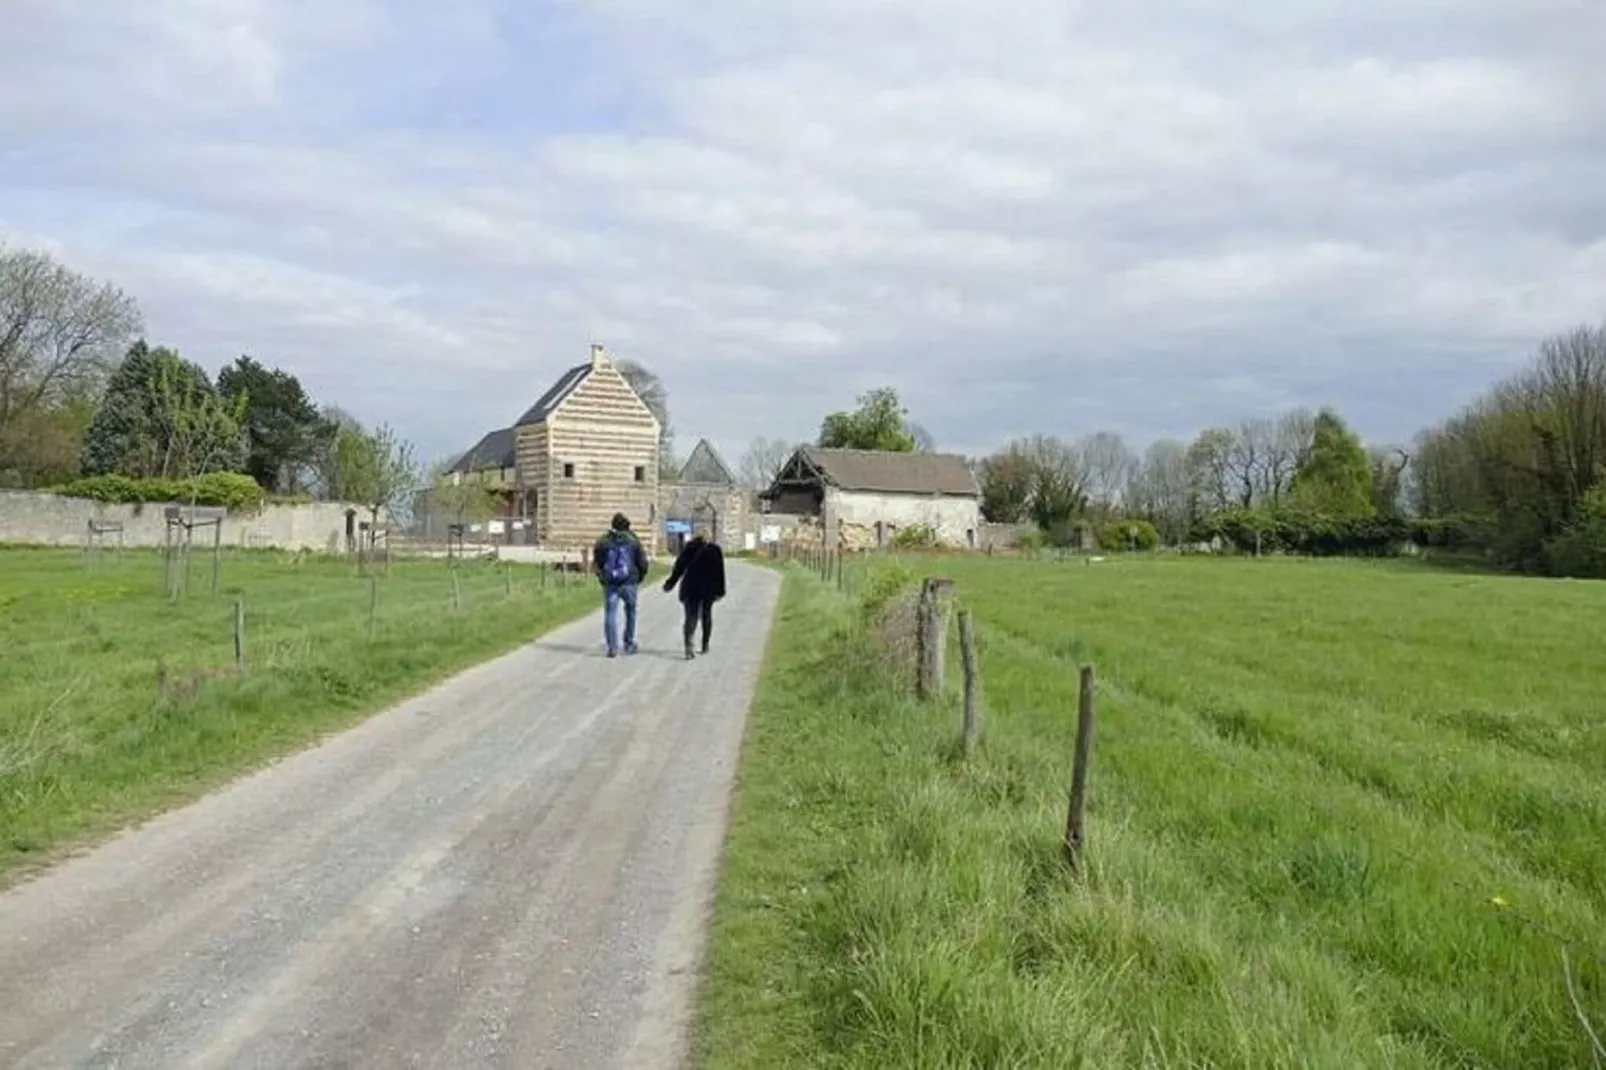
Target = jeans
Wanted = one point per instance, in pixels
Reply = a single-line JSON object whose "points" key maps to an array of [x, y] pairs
{"points": [[626, 593], [698, 612]]}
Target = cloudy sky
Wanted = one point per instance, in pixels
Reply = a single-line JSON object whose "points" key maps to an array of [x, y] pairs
{"points": [[1026, 215]]}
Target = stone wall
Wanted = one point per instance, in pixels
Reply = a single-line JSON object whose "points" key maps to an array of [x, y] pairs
{"points": [[864, 521], [51, 520]]}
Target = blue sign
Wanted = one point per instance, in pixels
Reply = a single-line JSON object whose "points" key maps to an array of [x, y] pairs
{"points": [[678, 527]]}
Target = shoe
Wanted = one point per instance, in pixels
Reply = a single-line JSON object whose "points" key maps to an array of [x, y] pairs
{"points": [[632, 648], [689, 654], [613, 653], [705, 648]]}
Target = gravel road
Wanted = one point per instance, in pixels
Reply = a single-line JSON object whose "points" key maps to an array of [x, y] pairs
{"points": [[510, 870]]}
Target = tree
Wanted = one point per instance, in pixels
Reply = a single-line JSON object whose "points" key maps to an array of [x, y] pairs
{"points": [[161, 418], [375, 469], [1162, 491], [879, 423], [1388, 473], [281, 423], [1335, 479], [763, 460], [199, 430], [60, 333], [925, 441], [1107, 464], [1059, 493], [324, 469], [651, 390], [1209, 470], [1007, 479], [465, 501]]}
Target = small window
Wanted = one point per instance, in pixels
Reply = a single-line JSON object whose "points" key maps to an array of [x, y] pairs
{"points": [[568, 469], [641, 473]]}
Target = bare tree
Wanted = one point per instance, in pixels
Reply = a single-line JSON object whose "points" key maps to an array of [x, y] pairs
{"points": [[1209, 472], [1290, 442], [651, 390], [1161, 489], [1107, 465], [763, 460], [925, 442], [1246, 460], [60, 332]]}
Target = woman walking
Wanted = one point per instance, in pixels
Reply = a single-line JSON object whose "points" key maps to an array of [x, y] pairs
{"points": [[700, 572]]}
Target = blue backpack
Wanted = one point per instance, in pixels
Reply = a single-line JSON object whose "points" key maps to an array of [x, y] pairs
{"points": [[618, 562]]}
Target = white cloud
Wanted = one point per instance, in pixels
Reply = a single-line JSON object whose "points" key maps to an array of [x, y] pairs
{"points": [[1027, 215]]}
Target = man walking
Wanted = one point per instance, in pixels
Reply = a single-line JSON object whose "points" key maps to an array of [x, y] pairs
{"points": [[700, 571], [620, 564]]}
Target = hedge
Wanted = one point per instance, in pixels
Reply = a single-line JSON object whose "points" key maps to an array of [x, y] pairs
{"points": [[1315, 535], [230, 490]]}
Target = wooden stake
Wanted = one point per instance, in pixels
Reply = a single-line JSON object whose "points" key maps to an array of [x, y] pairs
{"points": [[507, 575], [1075, 827], [239, 636], [457, 592], [373, 604], [967, 652]]}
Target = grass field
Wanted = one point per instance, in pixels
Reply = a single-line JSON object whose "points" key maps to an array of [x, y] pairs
{"points": [[1342, 815], [88, 743]]}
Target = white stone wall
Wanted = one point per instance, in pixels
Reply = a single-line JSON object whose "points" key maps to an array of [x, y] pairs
{"points": [[957, 521], [51, 520]]}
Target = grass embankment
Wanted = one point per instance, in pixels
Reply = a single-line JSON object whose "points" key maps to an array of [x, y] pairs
{"points": [[87, 743], [1342, 815]]}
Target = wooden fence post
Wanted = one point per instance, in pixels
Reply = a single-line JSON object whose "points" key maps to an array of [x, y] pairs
{"points": [[507, 576], [967, 653], [373, 604], [457, 592], [239, 636], [1075, 827], [932, 631]]}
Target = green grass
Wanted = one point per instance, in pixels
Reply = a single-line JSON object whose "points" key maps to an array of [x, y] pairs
{"points": [[1311, 783], [87, 743]]}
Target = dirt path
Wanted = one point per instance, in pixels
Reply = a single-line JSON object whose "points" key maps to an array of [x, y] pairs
{"points": [[511, 870]]}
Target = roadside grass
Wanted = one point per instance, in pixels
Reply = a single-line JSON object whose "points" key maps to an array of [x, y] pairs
{"points": [[87, 742], [1342, 815]]}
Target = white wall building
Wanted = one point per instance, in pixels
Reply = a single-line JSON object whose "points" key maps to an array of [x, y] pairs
{"points": [[861, 499]]}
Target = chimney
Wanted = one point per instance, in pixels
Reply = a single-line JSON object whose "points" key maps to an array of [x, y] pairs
{"points": [[599, 356]]}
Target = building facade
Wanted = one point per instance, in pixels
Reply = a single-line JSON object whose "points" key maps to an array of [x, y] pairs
{"points": [[858, 500], [586, 449]]}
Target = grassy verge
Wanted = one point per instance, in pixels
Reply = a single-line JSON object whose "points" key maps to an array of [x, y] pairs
{"points": [[1343, 815], [88, 739]]}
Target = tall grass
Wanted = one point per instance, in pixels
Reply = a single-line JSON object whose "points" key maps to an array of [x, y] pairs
{"points": [[1342, 815], [88, 739]]}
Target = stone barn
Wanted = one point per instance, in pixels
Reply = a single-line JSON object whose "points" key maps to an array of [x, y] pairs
{"points": [[707, 498], [861, 499]]}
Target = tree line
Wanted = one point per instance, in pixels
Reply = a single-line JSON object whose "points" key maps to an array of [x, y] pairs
{"points": [[89, 406], [1517, 478]]}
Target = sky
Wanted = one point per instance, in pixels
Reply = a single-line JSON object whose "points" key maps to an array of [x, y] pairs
{"points": [[1024, 215]]}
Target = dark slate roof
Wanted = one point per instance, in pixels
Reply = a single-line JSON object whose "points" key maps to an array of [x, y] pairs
{"points": [[496, 450], [706, 466], [566, 385], [895, 473]]}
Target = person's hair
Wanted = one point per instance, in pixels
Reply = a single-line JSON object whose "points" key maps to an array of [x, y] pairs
{"points": [[621, 522]]}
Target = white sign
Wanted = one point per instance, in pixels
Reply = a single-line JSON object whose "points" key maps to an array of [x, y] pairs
{"points": [[749, 541], [496, 527]]}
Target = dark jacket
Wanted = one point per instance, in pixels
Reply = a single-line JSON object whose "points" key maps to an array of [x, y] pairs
{"points": [[700, 572], [599, 554]]}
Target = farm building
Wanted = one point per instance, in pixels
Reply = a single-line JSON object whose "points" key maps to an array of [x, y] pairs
{"points": [[586, 449], [861, 499], [706, 497]]}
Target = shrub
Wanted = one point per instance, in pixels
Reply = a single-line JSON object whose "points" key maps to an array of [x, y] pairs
{"points": [[1119, 535], [1033, 540], [1581, 549], [1312, 534], [884, 581], [915, 537], [229, 490]]}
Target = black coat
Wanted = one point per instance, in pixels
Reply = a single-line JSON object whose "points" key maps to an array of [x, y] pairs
{"points": [[699, 571]]}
